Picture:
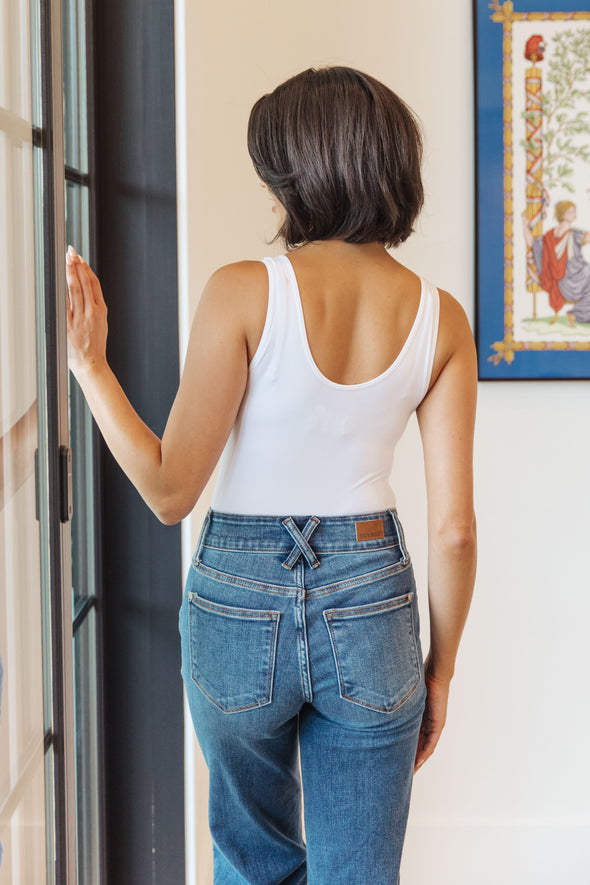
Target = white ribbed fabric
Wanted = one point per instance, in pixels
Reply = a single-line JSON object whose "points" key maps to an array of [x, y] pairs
{"points": [[303, 444]]}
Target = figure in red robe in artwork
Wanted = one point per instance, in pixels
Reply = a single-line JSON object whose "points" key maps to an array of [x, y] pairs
{"points": [[563, 271]]}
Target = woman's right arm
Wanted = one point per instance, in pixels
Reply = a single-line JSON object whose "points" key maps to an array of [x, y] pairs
{"points": [[170, 473], [446, 419]]}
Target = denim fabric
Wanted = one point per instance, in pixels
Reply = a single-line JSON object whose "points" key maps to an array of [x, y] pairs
{"points": [[302, 664]]}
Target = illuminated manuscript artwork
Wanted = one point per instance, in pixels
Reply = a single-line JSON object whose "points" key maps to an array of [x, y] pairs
{"points": [[533, 189]]}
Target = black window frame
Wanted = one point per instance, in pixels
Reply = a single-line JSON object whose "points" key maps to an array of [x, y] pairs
{"points": [[141, 558]]}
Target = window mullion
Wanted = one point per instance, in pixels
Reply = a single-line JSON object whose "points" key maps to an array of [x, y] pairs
{"points": [[58, 435]]}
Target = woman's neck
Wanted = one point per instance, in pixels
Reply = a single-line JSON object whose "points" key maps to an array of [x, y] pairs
{"points": [[341, 250]]}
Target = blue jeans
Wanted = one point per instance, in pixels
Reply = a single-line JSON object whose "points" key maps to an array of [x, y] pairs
{"points": [[302, 664]]}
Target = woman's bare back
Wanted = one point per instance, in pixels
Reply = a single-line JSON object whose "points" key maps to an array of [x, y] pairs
{"points": [[359, 306]]}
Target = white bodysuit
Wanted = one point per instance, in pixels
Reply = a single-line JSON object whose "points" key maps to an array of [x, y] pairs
{"points": [[303, 444]]}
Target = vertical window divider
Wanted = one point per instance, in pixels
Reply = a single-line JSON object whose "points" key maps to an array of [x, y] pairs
{"points": [[58, 435], [93, 230]]}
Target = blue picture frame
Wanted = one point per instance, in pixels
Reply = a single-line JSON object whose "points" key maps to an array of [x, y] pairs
{"points": [[526, 328]]}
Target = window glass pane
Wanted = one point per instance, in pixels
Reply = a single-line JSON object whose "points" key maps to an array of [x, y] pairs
{"points": [[84, 584], [87, 772], [23, 831], [15, 69], [77, 212], [22, 777], [75, 89], [42, 503], [42, 479], [81, 430], [83, 546], [35, 63]]}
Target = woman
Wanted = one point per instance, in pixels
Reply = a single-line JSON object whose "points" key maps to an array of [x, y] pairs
{"points": [[299, 622]]}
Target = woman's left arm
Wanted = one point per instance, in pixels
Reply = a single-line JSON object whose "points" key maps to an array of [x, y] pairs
{"points": [[170, 473]]}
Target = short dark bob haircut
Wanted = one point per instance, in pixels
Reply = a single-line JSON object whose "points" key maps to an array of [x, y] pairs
{"points": [[342, 153]]}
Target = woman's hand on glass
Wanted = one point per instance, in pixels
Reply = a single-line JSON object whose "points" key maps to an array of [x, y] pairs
{"points": [[86, 314]]}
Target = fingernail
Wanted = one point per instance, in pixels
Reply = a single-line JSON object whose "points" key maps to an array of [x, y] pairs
{"points": [[68, 258]]}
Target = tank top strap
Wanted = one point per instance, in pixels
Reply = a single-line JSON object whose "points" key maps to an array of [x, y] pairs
{"points": [[271, 311], [280, 327], [425, 335]]}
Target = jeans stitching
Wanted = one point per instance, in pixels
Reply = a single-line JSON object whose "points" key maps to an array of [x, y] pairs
{"points": [[360, 580], [201, 539], [233, 611], [272, 658], [246, 583], [302, 646], [382, 709], [230, 709], [356, 547], [370, 608], [400, 535], [274, 618], [342, 691], [327, 590], [417, 655]]}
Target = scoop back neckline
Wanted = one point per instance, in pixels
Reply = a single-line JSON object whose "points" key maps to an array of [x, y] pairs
{"points": [[305, 340]]}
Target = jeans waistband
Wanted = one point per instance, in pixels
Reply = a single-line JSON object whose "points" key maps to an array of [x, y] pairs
{"points": [[363, 531]]}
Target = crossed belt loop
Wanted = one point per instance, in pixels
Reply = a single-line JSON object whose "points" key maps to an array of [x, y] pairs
{"points": [[301, 542]]}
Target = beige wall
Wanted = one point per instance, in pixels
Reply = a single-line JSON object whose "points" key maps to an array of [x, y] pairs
{"points": [[506, 800]]}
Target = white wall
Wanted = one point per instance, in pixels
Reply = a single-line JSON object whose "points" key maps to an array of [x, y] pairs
{"points": [[506, 799]]}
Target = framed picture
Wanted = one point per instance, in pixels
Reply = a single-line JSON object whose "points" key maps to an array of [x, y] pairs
{"points": [[533, 188]]}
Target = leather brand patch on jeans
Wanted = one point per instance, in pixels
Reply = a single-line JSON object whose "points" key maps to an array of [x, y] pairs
{"points": [[369, 529]]}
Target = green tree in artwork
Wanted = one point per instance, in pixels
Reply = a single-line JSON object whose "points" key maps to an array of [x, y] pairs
{"points": [[565, 115]]}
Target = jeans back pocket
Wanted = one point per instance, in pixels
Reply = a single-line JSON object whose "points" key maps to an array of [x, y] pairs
{"points": [[232, 653], [376, 652]]}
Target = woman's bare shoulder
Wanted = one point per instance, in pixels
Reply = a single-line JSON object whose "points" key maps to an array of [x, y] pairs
{"points": [[238, 295], [453, 319], [238, 288], [454, 333], [241, 270], [244, 277]]}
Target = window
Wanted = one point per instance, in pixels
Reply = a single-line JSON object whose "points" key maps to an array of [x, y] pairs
{"points": [[50, 821]]}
